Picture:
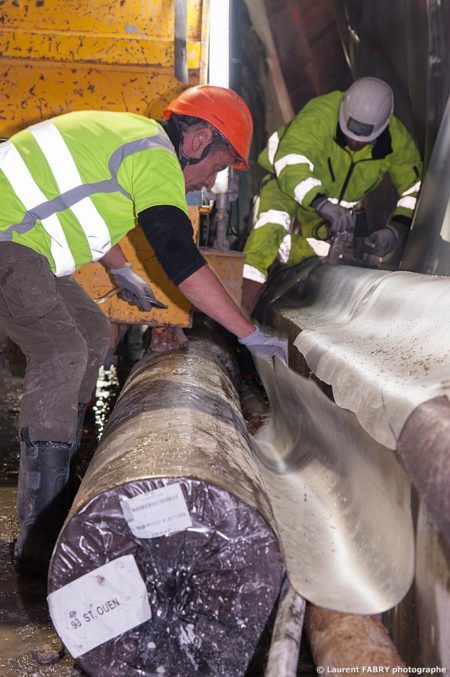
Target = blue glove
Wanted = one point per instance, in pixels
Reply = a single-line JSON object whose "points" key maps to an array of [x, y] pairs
{"points": [[266, 345]]}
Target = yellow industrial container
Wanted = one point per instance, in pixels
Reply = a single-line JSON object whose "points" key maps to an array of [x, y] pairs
{"points": [[106, 55], [92, 54]]}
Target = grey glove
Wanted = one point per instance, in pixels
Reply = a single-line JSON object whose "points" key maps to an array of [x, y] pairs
{"points": [[385, 240], [339, 218], [134, 289], [266, 346]]}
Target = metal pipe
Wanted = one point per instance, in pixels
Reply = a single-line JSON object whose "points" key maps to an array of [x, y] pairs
{"points": [[166, 563], [180, 41], [424, 448], [287, 633], [349, 641]]}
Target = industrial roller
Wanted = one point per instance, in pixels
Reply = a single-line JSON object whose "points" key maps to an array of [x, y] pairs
{"points": [[167, 564]]}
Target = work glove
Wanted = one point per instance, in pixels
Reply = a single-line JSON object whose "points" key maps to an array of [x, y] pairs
{"points": [[385, 240], [134, 289], [266, 345], [339, 218]]}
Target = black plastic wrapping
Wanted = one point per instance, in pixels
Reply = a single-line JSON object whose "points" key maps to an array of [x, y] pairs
{"points": [[211, 586]]}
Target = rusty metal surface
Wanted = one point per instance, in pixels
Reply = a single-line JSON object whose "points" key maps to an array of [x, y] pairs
{"points": [[308, 47], [424, 447], [342, 641], [228, 267]]}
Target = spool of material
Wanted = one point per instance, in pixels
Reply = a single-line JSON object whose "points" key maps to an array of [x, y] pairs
{"points": [[166, 564]]}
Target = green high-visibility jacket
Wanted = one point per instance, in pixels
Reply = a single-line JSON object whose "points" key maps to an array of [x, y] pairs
{"points": [[309, 157], [73, 186]]}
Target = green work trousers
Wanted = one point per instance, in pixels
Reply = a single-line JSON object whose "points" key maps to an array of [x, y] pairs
{"points": [[268, 241]]}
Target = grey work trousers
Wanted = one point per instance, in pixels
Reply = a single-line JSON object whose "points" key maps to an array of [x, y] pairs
{"points": [[63, 335]]}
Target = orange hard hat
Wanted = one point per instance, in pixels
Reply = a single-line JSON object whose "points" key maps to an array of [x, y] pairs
{"points": [[224, 110]]}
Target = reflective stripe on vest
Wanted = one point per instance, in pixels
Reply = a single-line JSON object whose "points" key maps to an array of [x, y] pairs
{"points": [[29, 193], [343, 203], [407, 203], [75, 195], [67, 176], [414, 189]]}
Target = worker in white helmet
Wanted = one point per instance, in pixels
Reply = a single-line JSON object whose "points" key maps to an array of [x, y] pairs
{"points": [[320, 166]]}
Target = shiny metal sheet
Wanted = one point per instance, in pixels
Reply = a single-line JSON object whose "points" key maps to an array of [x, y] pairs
{"points": [[380, 339], [340, 501], [337, 502]]}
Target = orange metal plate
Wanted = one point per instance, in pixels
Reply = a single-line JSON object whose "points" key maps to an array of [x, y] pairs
{"points": [[97, 283]]}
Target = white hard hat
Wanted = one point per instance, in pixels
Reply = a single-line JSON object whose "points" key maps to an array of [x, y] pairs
{"points": [[366, 109]]}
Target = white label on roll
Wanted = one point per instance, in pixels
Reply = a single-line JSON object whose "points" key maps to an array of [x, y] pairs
{"points": [[100, 605], [157, 512]]}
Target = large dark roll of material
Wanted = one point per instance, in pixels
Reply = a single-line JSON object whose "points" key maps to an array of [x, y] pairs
{"points": [[167, 564]]}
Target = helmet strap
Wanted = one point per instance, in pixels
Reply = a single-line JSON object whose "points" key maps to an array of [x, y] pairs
{"points": [[176, 136]]}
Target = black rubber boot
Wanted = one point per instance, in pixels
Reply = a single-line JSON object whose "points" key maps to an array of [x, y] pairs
{"points": [[42, 502]]}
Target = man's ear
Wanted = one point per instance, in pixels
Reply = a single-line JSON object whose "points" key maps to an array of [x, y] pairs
{"points": [[196, 140]]}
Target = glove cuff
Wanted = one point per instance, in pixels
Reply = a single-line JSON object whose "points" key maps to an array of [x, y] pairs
{"points": [[319, 202], [248, 340], [397, 229], [124, 268]]}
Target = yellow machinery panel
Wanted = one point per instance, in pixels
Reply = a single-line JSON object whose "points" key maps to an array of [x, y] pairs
{"points": [[92, 54]]}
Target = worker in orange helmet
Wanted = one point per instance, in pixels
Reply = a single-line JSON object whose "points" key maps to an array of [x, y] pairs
{"points": [[72, 187]]}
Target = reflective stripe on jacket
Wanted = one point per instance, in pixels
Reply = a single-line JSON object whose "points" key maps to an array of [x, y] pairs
{"points": [[73, 186], [309, 157]]}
